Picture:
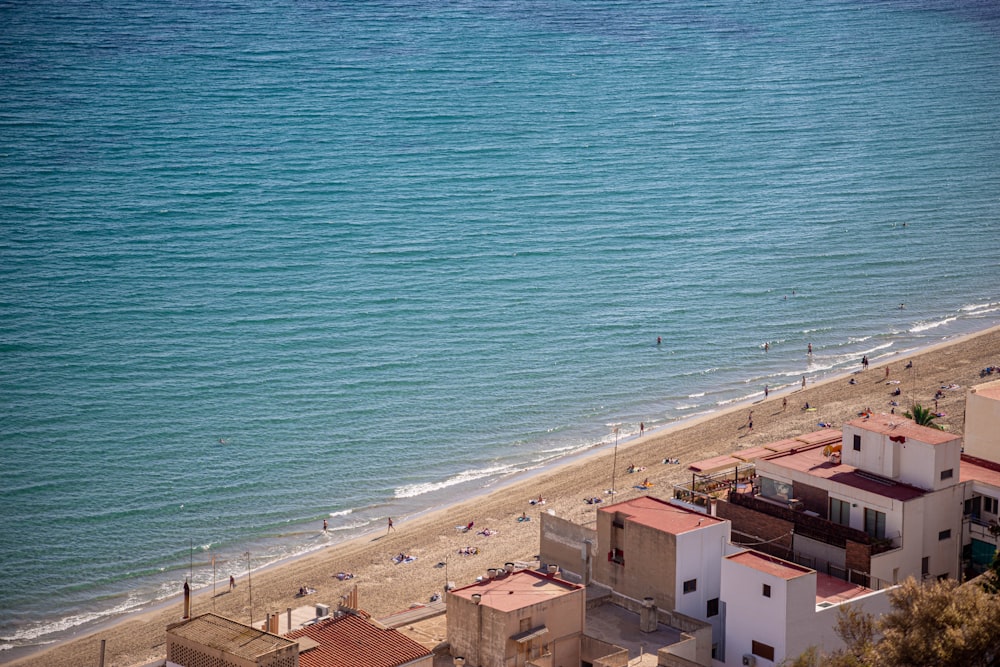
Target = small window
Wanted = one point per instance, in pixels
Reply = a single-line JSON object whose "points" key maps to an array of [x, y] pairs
{"points": [[690, 586], [857, 443], [713, 608], [616, 556], [990, 504], [766, 590], [762, 650], [946, 474], [944, 534], [925, 565]]}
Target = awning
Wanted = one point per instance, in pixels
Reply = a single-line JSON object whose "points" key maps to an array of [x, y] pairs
{"points": [[528, 635]]}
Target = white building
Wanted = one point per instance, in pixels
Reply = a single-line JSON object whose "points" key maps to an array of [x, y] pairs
{"points": [[775, 609]]}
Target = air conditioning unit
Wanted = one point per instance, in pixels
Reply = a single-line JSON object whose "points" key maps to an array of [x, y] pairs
{"points": [[322, 610], [749, 660], [795, 504]]}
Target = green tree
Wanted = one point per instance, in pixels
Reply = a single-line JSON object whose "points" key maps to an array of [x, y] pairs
{"points": [[922, 416], [941, 623]]}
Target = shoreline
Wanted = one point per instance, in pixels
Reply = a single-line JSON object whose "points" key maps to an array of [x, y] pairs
{"points": [[134, 638]]}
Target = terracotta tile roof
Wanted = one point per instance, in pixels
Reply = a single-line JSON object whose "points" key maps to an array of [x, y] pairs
{"points": [[350, 641], [661, 515], [224, 634]]}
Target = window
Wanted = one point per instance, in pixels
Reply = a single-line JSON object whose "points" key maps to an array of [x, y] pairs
{"points": [[775, 490], [840, 512], [946, 474], [857, 443], [944, 534], [616, 556], [990, 504], [875, 523], [766, 590], [925, 565], [762, 650], [713, 608], [690, 586]]}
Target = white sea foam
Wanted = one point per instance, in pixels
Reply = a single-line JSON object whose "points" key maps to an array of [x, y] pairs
{"points": [[413, 490], [341, 512], [34, 630], [697, 395], [924, 326]]}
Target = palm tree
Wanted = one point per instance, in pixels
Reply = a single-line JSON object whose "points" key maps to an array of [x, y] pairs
{"points": [[922, 416]]}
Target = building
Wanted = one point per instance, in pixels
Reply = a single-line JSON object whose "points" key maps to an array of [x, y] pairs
{"points": [[517, 618], [650, 548], [774, 609], [884, 504], [211, 640], [980, 473], [350, 639]]}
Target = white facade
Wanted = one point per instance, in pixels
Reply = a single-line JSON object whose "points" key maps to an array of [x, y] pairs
{"points": [[699, 554], [982, 421], [772, 610]]}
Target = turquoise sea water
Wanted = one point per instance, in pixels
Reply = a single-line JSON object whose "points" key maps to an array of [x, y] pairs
{"points": [[267, 263]]}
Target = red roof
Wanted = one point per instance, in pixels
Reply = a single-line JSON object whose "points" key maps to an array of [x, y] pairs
{"points": [[661, 515], [517, 590], [350, 641], [897, 425], [776, 567]]}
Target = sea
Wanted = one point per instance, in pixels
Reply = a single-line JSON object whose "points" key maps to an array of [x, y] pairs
{"points": [[268, 263]]}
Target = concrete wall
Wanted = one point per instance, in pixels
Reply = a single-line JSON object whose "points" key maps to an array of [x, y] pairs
{"points": [[482, 634], [650, 560], [602, 653], [565, 543], [982, 421]]}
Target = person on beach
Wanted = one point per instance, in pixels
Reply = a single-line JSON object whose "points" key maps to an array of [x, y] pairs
{"points": [[803, 381], [232, 582], [642, 428], [887, 371], [809, 350], [658, 340], [765, 391], [325, 526], [784, 403], [766, 346], [390, 526]]}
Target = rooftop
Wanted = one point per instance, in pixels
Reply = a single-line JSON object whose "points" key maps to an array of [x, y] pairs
{"points": [[769, 451], [771, 565], [896, 425], [517, 590], [972, 469], [661, 515], [829, 590], [232, 637], [988, 389], [812, 462], [348, 640]]}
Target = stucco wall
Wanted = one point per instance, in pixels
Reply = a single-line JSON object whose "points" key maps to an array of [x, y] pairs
{"points": [[982, 422], [564, 543]]}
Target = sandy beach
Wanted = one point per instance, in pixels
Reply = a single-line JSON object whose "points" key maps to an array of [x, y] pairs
{"points": [[433, 539]]}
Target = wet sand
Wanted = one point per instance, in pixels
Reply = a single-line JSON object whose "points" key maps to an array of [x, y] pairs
{"points": [[385, 587]]}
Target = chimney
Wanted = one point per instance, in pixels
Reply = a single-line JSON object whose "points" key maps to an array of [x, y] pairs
{"points": [[647, 616], [553, 569], [508, 567], [289, 619], [476, 598]]}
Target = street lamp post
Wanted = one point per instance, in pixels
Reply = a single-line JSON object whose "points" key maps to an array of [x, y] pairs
{"points": [[614, 465]]}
